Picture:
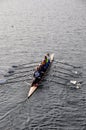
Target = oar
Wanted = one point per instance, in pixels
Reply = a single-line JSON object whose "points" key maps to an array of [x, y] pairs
{"points": [[72, 81], [74, 72], [68, 64], [26, 67], [62, 68], [75, 75], [63, 73], [20, 65], [12, 72], [21, 76], [55, 82], [20, 72], [59, 77], [9, 82]]}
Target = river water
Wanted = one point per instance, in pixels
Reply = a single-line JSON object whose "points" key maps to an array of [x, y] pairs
{"points": [[28, 30]]}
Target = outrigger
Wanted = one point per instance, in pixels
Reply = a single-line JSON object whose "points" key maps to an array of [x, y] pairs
{"points": [[34, 87]]}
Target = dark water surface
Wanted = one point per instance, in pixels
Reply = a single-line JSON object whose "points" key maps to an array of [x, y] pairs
{"points": [[28, 30]]}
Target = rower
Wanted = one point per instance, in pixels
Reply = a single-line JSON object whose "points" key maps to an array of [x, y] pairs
{"points": [[41, 69], [43, 63], [47, 60], [37, 77], [37, 73], [48, 57]]}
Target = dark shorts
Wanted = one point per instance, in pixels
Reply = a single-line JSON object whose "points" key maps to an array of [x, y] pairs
{"points": [[36, 80]]}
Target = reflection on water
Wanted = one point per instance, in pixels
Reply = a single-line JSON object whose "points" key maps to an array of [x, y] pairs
{"points": [[28, 30]]}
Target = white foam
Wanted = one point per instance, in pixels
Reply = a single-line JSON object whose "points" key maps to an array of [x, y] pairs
{"points": [[73, 82]]}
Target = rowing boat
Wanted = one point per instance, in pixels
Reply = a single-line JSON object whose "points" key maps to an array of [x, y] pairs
{"points": [[34, 87]]}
